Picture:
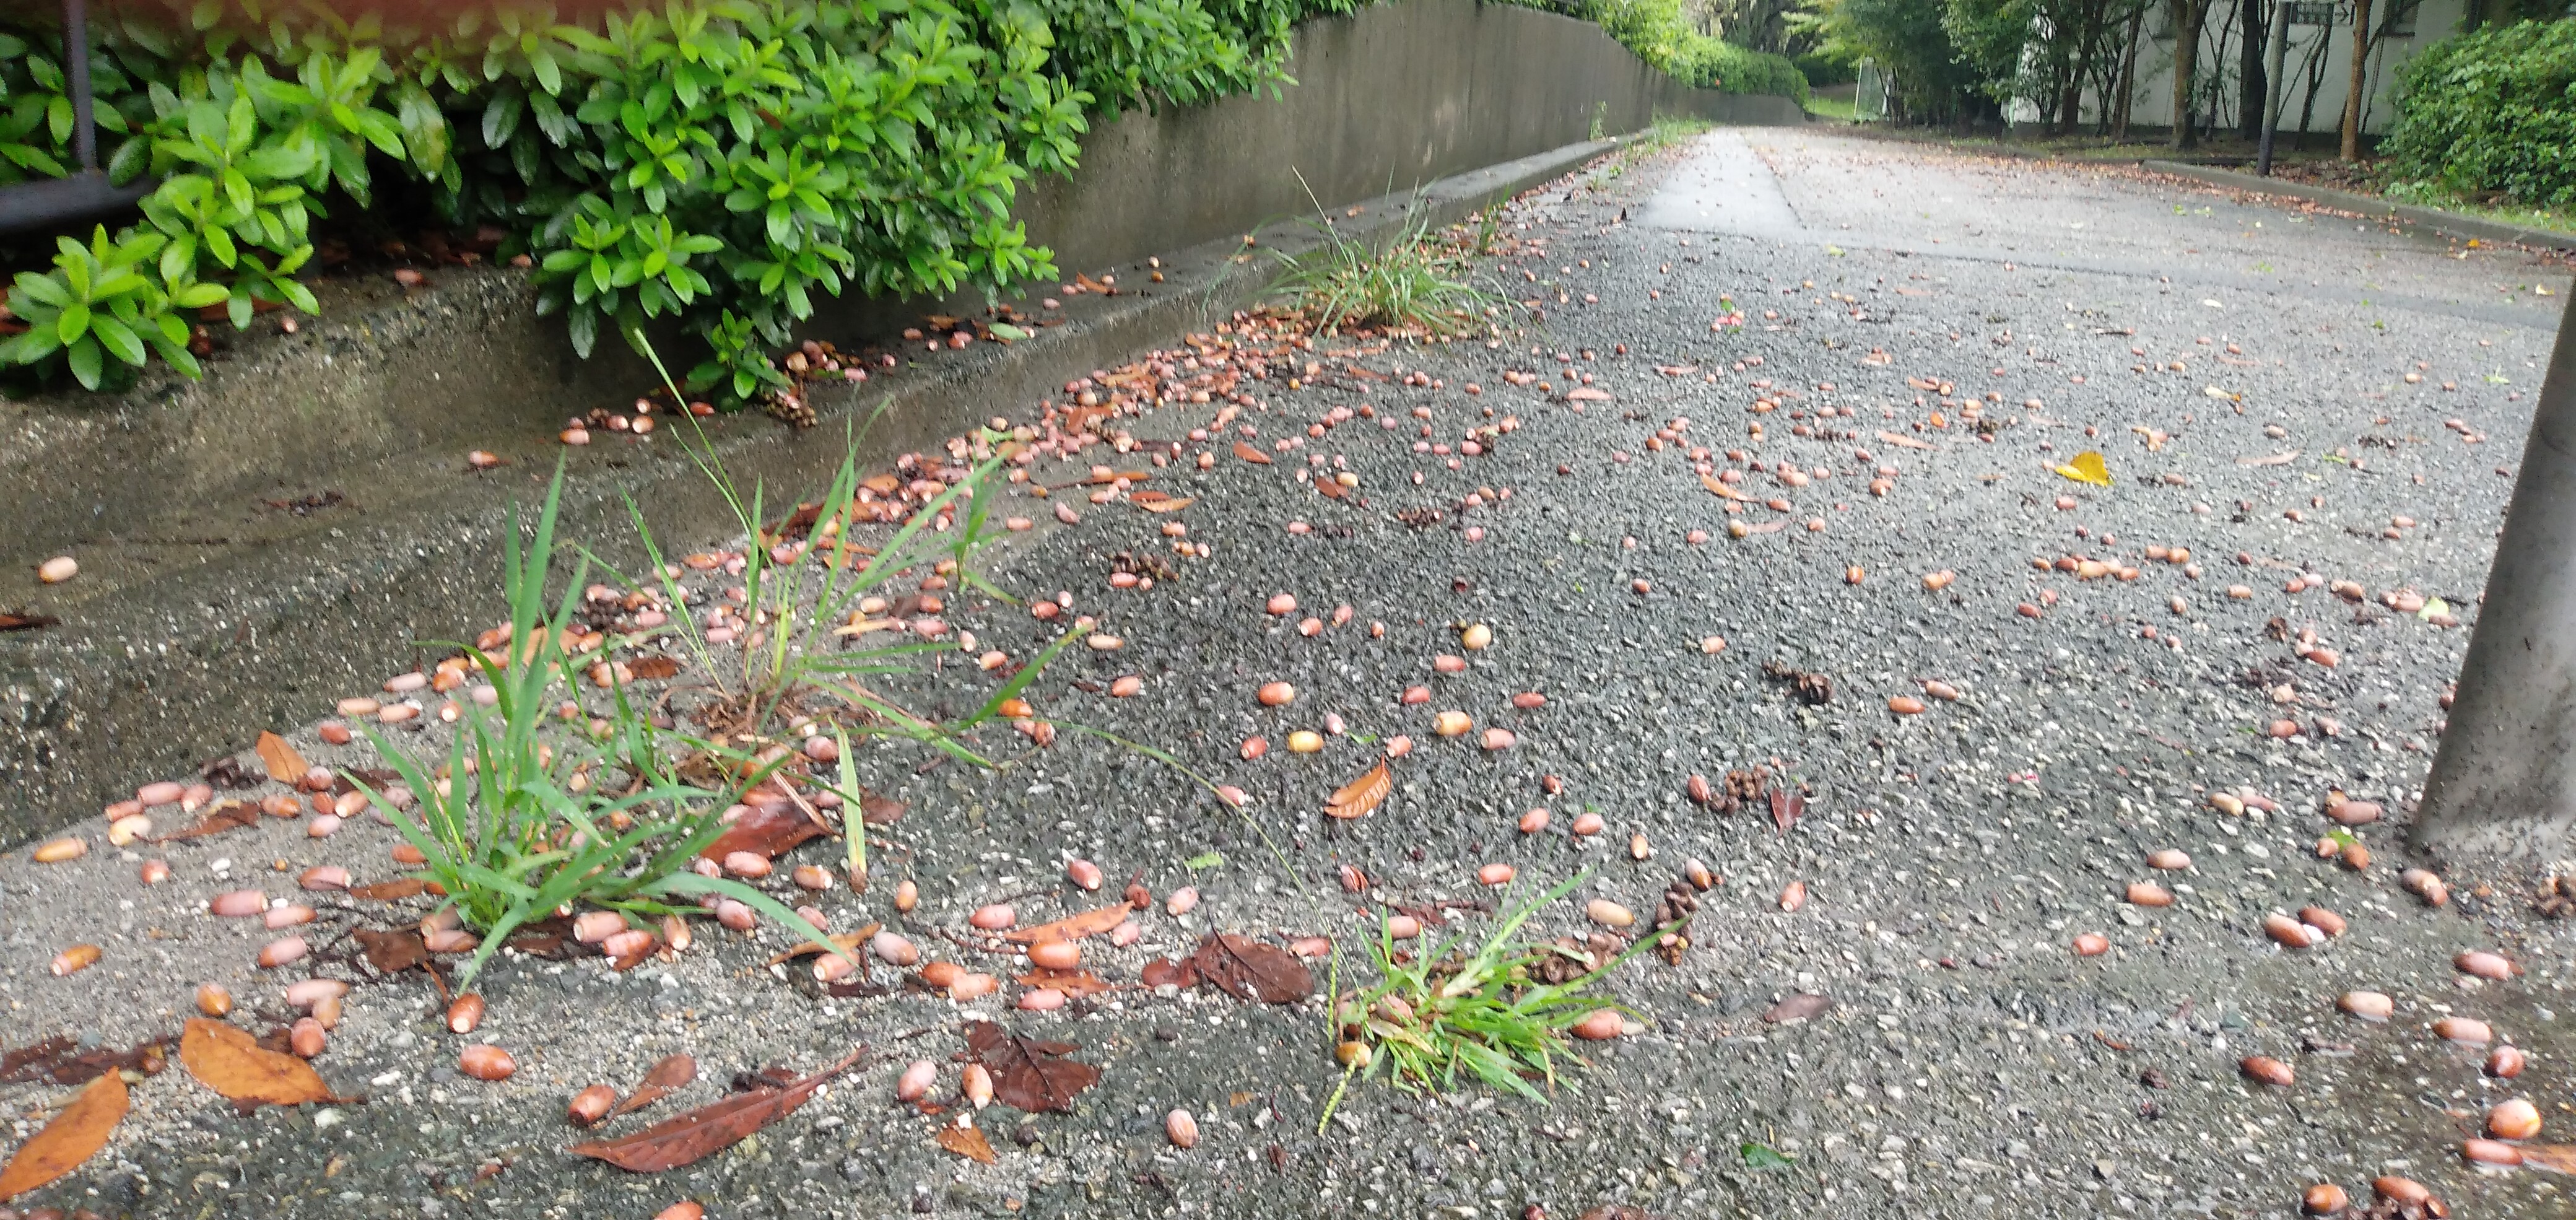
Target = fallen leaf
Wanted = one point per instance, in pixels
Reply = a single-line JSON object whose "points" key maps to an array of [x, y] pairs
{"points": [[392, 950], [1797, 1007], [967, 1142], [1924, 384], [1166, 504], [1786, 808], [1721, 490], [1029, 1074], [1250, 454], [230, 1062], [1760, 1156], [847, 942], [1250, 970], [653, 668], [1163, 970], [2277, 459], [1904, 441], [1356, 798], [62, 1061], [73, 1137], [2086, 467], [876, 809], [1070, 982], [1072, 927], [1587, 395], [26, 622], [283, 763], [1332, 490], [768, 831], [2556, 1158], [671, 1073], [227, 814], [388, 891], [549, 938], [709, 1129]]}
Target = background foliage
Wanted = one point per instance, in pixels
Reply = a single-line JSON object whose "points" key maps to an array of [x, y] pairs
{"points": [[723, 163], [2492, 111]]}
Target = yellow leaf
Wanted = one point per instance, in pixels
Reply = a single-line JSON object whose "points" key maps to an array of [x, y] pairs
{"points": [[2087, 468]]}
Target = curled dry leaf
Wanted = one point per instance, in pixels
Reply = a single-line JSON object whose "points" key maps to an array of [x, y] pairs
{"points": [[73, 1137], [1251, 970], [227, 814], [389, 891], [1250, 454], [232, 1063], [283, 763], [671, 1073], [2556, 1158], [710, 1129], [1073, 927], [968, 1142], [764, 830], [1029, 1074], [1358, 797], [394, 950]]}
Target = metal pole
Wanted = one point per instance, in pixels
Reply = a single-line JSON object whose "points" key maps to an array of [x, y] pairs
{"points": [[76, 56], [2276, 50], [2504, 782]]}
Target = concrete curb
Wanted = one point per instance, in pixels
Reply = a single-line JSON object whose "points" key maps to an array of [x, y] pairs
{"points": [[2452, 224], [174, 649]]}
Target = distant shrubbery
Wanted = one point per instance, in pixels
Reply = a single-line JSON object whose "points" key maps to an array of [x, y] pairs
{"points": [[1657, 32], [2493, 110]]}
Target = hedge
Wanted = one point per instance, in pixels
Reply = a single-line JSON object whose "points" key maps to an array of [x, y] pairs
{"points": [[2492, 110], [721, 163]]}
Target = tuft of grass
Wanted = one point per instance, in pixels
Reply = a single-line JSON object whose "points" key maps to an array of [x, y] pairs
{"points": [[1484, 1012], [523, 820], [1406, 283]]}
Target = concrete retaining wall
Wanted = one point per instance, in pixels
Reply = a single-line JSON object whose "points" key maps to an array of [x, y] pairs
{"points": [[210, 606]]}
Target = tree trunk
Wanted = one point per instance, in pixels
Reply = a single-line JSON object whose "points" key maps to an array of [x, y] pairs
{"points": [[2128, 75], [2360, 80], [2186, 66], [2253, 81], [2504, 782]]}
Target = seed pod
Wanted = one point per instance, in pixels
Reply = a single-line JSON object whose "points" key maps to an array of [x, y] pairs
{"points": [[978, 1085], [127, 829], [906, 896], [2505, 1062], [1253, 748], [238, 904], [746, 864], [2149, 894], [2401, 1190], [1056, 955], [214, 1000], [2267, 1070], [1534, 821], [324, 877], [2168, 859], [1476, 637], [1699, 791], [2484, 965], [1452, 724], [56, 851], [894, 949], [1403, 927], [1599, 1025], [736, 915], [1310, 946], [313, 991], [1639, 848], [306, 1038], [1276, 694], [2290, 933], [1041, 999], [279, 952], [1587, 824], [1905, 705], [1609, 914], [287, 915], [2227, 803], [75, 959], [916, 1080], [153, 872], [449, 940], [1353, 880], [2322, 920], [2514, 1119], [2367, 1005], [994, 918], [2324, 1198], [2092, 944], [1183, 1129], [1083, 873], [1700, 878], [973, 986], [486, 1062], [2425, 885], [1182, 902], [1138, 896], [2490, 1152], [2468, 1031], [465, 1013], [327, 1011], [1793, 896], [1305, 741], [591, 1105], [1352, 1054], [1496, 874]]}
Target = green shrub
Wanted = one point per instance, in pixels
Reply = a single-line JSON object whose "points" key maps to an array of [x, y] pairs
{"points": [[2492, 110], [1660, 35]]}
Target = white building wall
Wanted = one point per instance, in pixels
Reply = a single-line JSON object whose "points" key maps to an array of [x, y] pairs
{"points": [[2152, 103]]}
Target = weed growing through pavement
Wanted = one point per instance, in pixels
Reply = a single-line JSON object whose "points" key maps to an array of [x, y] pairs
{"points": [[1490, 1012], [521, 823], [1404, 283]]}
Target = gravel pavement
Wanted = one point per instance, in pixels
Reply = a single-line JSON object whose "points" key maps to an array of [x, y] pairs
{"points": [[1882, 350]]}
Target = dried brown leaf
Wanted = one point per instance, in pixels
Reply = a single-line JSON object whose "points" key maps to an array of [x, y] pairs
{"points": [[709, 1129], [1356, 798], [1029, 1074], [388, 891], [1072, 927], [1786, 808], [1900, 439], [1251, 970], [671, 1073], [653, 668], [283, 763], [74, 1136], [1250, 454], [967, 1142], [1070, 982], [769, 831], [230, 1062], [1721, 490], [847, 942], [1164, 970], [392, 950], [26, 622], [62, 1061], [1166, 504], [877, 809], [2556, 1158], [226, 814]]}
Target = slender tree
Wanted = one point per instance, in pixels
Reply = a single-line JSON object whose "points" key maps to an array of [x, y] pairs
{"points": [[2187, 18], [2361, 41]]}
